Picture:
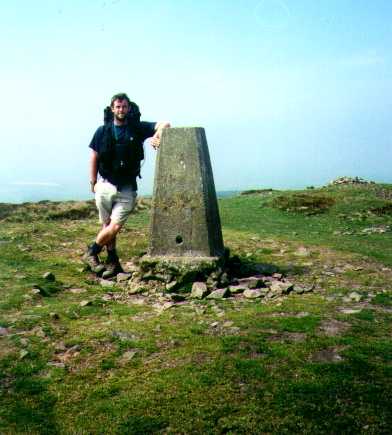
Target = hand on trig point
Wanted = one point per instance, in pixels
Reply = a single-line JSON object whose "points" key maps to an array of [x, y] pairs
{"points": [[156, 139]]}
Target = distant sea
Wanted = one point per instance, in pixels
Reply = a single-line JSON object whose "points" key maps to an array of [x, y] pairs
{"points": [[19, 193]]}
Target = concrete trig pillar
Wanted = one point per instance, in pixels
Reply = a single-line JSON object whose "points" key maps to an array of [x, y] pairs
{"points": [[185, 218]]}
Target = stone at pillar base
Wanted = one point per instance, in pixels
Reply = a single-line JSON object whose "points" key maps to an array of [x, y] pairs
{"points": [[180, 269]]}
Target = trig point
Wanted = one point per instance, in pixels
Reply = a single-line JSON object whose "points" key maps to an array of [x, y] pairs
{"points": [[185, 218]]}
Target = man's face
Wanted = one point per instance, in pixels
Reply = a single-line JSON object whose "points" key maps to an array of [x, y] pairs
{"points": [[120, 109]]}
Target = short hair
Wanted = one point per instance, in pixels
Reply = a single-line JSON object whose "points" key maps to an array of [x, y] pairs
{"points": [[121, 96]]}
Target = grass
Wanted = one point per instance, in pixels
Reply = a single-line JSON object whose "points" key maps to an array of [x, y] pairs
{"points": [[301, 364]]}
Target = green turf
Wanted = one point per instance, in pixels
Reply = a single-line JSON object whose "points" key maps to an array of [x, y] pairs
{"points": [[301, 364]]}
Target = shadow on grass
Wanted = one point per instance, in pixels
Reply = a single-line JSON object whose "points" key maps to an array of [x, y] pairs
{"points": [[245, 267], [28, 403], [339, 399]]}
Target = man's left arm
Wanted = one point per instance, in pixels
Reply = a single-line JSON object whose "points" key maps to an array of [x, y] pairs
{"points": [[156, 138]]}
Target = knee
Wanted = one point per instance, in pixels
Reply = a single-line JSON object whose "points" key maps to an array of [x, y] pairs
{"points": [[114, 228]]}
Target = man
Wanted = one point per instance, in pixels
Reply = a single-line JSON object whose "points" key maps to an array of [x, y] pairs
{"points": [[116, 152]]}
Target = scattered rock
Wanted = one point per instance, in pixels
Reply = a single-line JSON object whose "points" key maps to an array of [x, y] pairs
{"points": [[219, 294], [85, 303], [300, 289], [49, 276], [124, 336], [106, 283], [354, 296], [128, 355], [302, 252], [236, 289], [349, 180], [254, 293], [380, 229], [349, 310], [77, 290], [3, 331], [107, 297], [199, 290], [172, 286], [251, 282], [59, 365], [23, 353], [333, 327], [280, 287], [288, 336], [130, 266], [135, 288], [329, 355], [122, 277], [160, 308]]}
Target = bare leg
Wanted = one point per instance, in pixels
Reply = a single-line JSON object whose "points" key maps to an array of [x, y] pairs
{"points": [[111, 245], [108, 234]]}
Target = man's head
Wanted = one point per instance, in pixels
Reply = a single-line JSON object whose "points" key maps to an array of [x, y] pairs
{"points": [[120, 107]]}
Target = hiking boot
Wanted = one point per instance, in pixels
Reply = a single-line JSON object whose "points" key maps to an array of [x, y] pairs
{"points": [[93, 262], [112, 269]]}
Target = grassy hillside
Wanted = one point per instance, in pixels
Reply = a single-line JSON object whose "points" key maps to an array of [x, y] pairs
{"points": [[78, 357]]}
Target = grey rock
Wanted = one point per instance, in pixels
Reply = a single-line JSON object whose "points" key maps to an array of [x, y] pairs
{"points": [[3, 331], [121, 277], [300, 289], [199, 290], [280, 287], [59, 365], [254, 293], [350, 310], [172, 286], [154, 277], [130, 266], [128, 355], [85, 303], [160, 308], [219, 294], [23, 353], [354, 296], [252, 282], [236, 289], [77, 290], [302, 252], [124, 336], [49, 276], [106, 283], [135, 288]]}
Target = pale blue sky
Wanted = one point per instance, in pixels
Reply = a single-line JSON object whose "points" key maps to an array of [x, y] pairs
{"points": [[291, 93]]}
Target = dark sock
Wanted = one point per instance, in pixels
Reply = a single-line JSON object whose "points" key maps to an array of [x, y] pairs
{"points": [[95, 249], [112, 255]]}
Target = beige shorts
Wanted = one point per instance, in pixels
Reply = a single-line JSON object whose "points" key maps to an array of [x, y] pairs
{"points": [[113, 205]]}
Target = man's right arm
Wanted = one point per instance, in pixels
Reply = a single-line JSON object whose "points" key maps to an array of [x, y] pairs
{"points": [[93, 169], [95, 147]]}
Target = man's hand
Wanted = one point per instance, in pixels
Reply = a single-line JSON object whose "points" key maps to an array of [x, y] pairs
{"points": [[156, 139]]}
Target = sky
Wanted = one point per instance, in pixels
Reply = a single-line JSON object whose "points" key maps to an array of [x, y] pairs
{"points": [[290, 93]]}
